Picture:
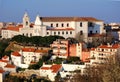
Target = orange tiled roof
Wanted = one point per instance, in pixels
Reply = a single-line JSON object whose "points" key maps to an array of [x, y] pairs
{"points": [[16, 53], [60, 28], [5, 57], [45, 68], [2, 71], [115, 46], [4, 61], [13, 28], [41, 51], [54, 68], [28, 49], [10, 66], [92, 49], [54, 19]]}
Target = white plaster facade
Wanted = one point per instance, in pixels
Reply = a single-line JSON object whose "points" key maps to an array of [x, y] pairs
{"points": [[100, 54], [63, 26]]}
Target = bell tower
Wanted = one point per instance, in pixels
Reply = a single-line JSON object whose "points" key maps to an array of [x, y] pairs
{"points": [[26, 21]]}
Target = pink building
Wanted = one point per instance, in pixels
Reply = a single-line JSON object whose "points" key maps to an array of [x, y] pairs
{"points": [[63, 48]]}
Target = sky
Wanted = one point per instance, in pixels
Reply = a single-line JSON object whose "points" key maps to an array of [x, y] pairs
{"points": [[106, 10]]}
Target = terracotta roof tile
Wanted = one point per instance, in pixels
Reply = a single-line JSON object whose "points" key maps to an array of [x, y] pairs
{"points": [[4, 61], [28, 49], [41, 51], [2, 71], [45, 68], [10, 66], [5, 57], [55, 68], [55, 19], [16, 53], [115, 46]]}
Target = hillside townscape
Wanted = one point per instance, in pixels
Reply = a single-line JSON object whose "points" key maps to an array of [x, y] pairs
{"points": [[59, 49]]}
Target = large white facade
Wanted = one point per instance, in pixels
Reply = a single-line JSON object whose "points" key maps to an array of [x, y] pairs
{"points": [[62, 26]]}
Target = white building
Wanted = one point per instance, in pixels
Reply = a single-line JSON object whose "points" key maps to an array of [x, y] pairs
{"points": [[26, 56], [100, 54], [62, 26], [50, 71]]}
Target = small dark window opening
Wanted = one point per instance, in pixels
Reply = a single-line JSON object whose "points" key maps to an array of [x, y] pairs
{"points": [[56, 25], [51, 25], [62, 25], [81, 24], [67, 25], [81, 32]]}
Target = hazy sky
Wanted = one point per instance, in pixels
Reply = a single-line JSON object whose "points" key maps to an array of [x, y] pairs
{"points": [[13, 10]]}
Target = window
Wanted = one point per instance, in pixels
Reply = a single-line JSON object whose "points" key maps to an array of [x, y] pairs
{"points": [[27, 34], [91, 32], [54, 33], [67, 25], [62, 25], [96, 31], [51, 25], [81, 32], [47, 32], [30, 34], [80, 24], [62, 32], [90, 24], [56, 25], [26, 22], [58, 32], [66, 32], [70, 32]]}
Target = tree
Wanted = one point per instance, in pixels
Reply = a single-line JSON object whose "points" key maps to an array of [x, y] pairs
{"points": [[107, 72]]}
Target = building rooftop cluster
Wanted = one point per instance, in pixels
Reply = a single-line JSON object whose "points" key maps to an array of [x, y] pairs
{"points": [[85, 28]]}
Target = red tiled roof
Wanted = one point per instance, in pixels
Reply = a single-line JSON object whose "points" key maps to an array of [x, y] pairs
{"points": [[10, 66], [4, 61], [2, 71], [55, 68], [41, 51], [92, 49], [45, 68], [60, 28], [54, 19], [115, 46], [16, 53], [28, 49], [13, 27], [5, 57]]}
